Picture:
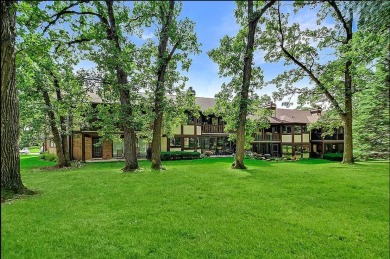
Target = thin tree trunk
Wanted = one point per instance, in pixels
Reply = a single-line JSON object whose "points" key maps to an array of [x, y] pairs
{"points": [[156, 142], [240, 141], [160, 89], [347, 116], [348, 146], [64, 138], [10, 160], [348, 141], [62, 161]]}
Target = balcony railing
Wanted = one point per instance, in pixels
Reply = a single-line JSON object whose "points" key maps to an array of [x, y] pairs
{"points": [[213, 128], [318, 136], [267, 137]]}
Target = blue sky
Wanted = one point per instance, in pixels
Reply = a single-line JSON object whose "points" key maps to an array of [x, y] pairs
{"points": [[214, 19]]}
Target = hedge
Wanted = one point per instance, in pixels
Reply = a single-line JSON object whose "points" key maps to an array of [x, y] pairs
{"points": [[334, 156], [48, 156], [179, 155]]}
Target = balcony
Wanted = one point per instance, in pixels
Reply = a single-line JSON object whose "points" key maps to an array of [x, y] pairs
{"points": [[318, 136], [213, 128], [267, 137]]}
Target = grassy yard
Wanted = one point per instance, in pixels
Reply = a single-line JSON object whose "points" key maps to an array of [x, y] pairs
{"points": [[201, 209]]}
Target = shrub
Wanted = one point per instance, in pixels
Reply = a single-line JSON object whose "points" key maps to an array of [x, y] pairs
{"points": [[48, 156], [179, 155], [334, 156]]}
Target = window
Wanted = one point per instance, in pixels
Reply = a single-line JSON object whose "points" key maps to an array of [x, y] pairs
{"points": [[305, 148], [198, 142], [274, 129], [305, 151], [192, 142], [298, 150], [304, 129], [286, 129], [190, 119], [175, 142], [205, 142], [220, 141], [297, 129], [287, 150]]}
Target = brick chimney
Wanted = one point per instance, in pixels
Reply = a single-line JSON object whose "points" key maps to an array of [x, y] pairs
{"points": [[191, 90], [272, 106], [317, 111]]}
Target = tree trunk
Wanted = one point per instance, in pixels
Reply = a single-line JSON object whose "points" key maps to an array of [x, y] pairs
{"points": [[62, 160], [240, 142], [163, 59], [10, 160], [130, 139], [348, 144], [156, 142], [348, 140], [63, 126]]}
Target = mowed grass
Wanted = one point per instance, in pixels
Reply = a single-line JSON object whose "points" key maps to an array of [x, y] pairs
{"points": [[201, 209]]}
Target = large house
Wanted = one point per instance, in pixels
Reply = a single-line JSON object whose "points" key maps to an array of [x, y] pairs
{"points": [[287, 136]]}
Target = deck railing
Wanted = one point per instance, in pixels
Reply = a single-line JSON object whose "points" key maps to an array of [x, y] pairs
{"points": [[213, 128], [267, 137]]}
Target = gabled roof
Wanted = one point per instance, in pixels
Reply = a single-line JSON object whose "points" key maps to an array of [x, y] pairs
{"points": [[294, 116], [281, 116]]}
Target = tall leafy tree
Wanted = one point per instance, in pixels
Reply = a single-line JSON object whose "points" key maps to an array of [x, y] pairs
{"points": [[371, 123], [45, 73], [335, 79], [10, 161], [103, 26], [175, 39], [235, 58]]}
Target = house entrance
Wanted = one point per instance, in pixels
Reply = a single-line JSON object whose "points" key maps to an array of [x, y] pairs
{"points": [[275, 150], [96, 150]]}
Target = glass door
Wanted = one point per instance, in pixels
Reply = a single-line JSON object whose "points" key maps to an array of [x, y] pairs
{"points": [[96, 150]]}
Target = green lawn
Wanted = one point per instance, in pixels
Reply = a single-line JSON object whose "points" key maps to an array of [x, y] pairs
{"points": [[34, 149], [201, 209]]}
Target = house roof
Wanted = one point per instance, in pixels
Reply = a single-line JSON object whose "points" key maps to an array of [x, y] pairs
{"points": [[280, 116], [294, 116]]}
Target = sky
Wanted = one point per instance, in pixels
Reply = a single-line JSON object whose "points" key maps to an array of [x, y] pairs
{"points": [[215, 19]]}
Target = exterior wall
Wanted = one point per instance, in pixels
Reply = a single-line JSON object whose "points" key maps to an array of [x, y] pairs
{"points": [[107, 150], [77, 147], [88, 148], [305, 138], [188, 130], [297, 138], [198, 130], [175, 149], [286, 138], [164, 144], [50, 149]]}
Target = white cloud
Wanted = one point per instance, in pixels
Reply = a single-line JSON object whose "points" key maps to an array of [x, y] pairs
{"points": [[147, 35]]}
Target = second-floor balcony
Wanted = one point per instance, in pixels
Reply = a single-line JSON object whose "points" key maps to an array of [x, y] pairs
{"points": [[208, 128], [318, 136], [267, 137]]}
